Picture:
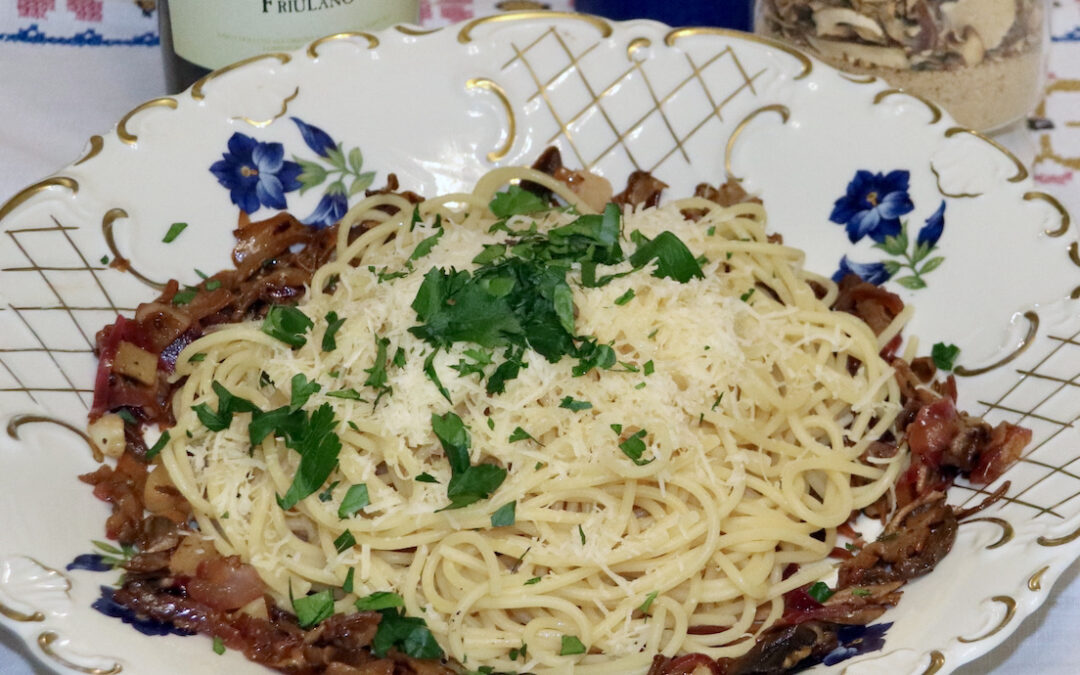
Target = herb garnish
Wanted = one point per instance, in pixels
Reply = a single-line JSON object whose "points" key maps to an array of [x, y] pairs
{"points": [[162, 441], [516, 201], [944, 355], [571, 645], [355, 500], [318, 446], [570, 403], [634, 448], [468, 483], [820, 591], [313, 609], [333, 325], [174, 231], [379, 600], [301, 391], [504, 515], [288, 324], [647, 605], [344, 542]]}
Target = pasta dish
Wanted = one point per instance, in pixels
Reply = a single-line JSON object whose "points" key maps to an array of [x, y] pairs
{"points": [[514, 431]]}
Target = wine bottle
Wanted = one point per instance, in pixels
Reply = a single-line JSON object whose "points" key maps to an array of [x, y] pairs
{"points": [[198, 36]]}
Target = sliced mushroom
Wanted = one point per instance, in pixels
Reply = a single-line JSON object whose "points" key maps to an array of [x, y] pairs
{"points": [[859, 54], [838, 21], [991, 19]]}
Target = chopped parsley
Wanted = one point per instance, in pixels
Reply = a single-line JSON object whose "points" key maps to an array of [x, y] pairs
{"points": [[348, 585], [534, 580], [746, 296], [433, 375], [162, 441], [409, 635], [519, 434], [649, 367], [468, 483], [426, 478], [355, 500], [328, 494], [288, 324], [425, 246], [634, 447], [212, 285], [219, 645], [820, 591], [344, 542], [197, 358], [311, 610], [570, 403], [350, 394], [504, 515], [174, 231], [647, 605], [228, 405], [625, 297], [581, 533], [185, 296], [515, 201], [571, 645], [333, 325], [673, 259], [379, 600], [314, 438], [519, 651], [301, 391], [860, 592], [944, 355]]}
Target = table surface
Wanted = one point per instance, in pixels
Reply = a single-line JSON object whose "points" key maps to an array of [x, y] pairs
{"points": [[71, 69]]}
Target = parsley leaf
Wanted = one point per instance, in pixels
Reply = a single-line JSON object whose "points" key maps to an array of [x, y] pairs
{"points": [[344, 542], [647, 605], [571, 645], [185, 296], [820, 591], [426, 478], [516, 200], [287, 324], [313, 609], [348, 585], [673, 259], [174, 231], [355, 500], [475, 483], [625, 297], [379, 600], [505, 515], [333, 325], [455, 440], [162, 441], [301, 391], [227, 406], [634, 448], [519, 434], [433, 375], [425, 245], [219, 645], [319, 447], [408, 634], [570, 403], [944, 355], [350, 394]]}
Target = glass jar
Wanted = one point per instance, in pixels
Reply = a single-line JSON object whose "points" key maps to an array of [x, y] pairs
{"points": [[982, 60]]}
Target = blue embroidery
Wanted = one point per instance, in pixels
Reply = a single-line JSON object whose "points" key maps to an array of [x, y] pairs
{"points": [[88, 38]]}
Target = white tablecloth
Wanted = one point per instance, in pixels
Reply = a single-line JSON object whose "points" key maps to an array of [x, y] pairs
{"points": [[70, 69]]}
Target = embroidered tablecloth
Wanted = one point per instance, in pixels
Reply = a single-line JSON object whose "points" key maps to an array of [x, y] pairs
{"points": [[70, 68]]}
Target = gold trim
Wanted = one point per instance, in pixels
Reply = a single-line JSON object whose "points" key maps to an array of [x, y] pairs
{"points": [[1010, 612], [858, 79], [197, 88], [1035, 582], [781, 110], [259, 124], [934, 110], [675, 35], [465, 35], [107, 230], [636, 44], [28, 192], [1021, 170], [1007, 532], [121, 127], [1033, 329], [18, 420], [937, 662], [16, 615], [45, 642], [941, 190], [96, 144], [313, 48], [416, 32], [1059, 541], [1066, 219], [493, 87]]}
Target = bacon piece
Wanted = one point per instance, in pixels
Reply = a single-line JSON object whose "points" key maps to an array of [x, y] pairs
{"points": [[225, 583], [642, 188], [873, 304]]}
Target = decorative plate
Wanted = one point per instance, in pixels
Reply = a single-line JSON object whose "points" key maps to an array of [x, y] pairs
{"points": [[860, 175]]}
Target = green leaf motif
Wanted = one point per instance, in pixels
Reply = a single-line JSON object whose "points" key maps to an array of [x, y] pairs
{"points": [[893, 245], [910, 282], [892, 267], [311, 174], [356, 160], [361, 183], [932, 264]]}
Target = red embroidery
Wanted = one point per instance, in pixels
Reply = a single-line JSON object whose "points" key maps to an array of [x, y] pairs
{"points": [[86, 10], [36, 9], [456, 10]]}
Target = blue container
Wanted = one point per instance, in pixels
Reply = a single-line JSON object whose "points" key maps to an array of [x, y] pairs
{"points": [[727, 13]]}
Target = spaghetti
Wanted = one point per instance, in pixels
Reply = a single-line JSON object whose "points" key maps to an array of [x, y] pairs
{"points": [[664, 489]]}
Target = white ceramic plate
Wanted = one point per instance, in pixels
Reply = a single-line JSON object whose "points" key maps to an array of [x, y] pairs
{"points": [[439, 109]]}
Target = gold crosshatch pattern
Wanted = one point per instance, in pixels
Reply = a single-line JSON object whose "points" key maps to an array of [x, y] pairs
{"points": [[683, 107]]}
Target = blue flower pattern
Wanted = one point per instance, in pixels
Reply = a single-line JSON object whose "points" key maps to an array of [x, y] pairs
{"points": [[258, 175], [856, 640], [871, 208]]}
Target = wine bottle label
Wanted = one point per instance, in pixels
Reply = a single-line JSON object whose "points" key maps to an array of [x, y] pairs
{"points": [[215, 33]]}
